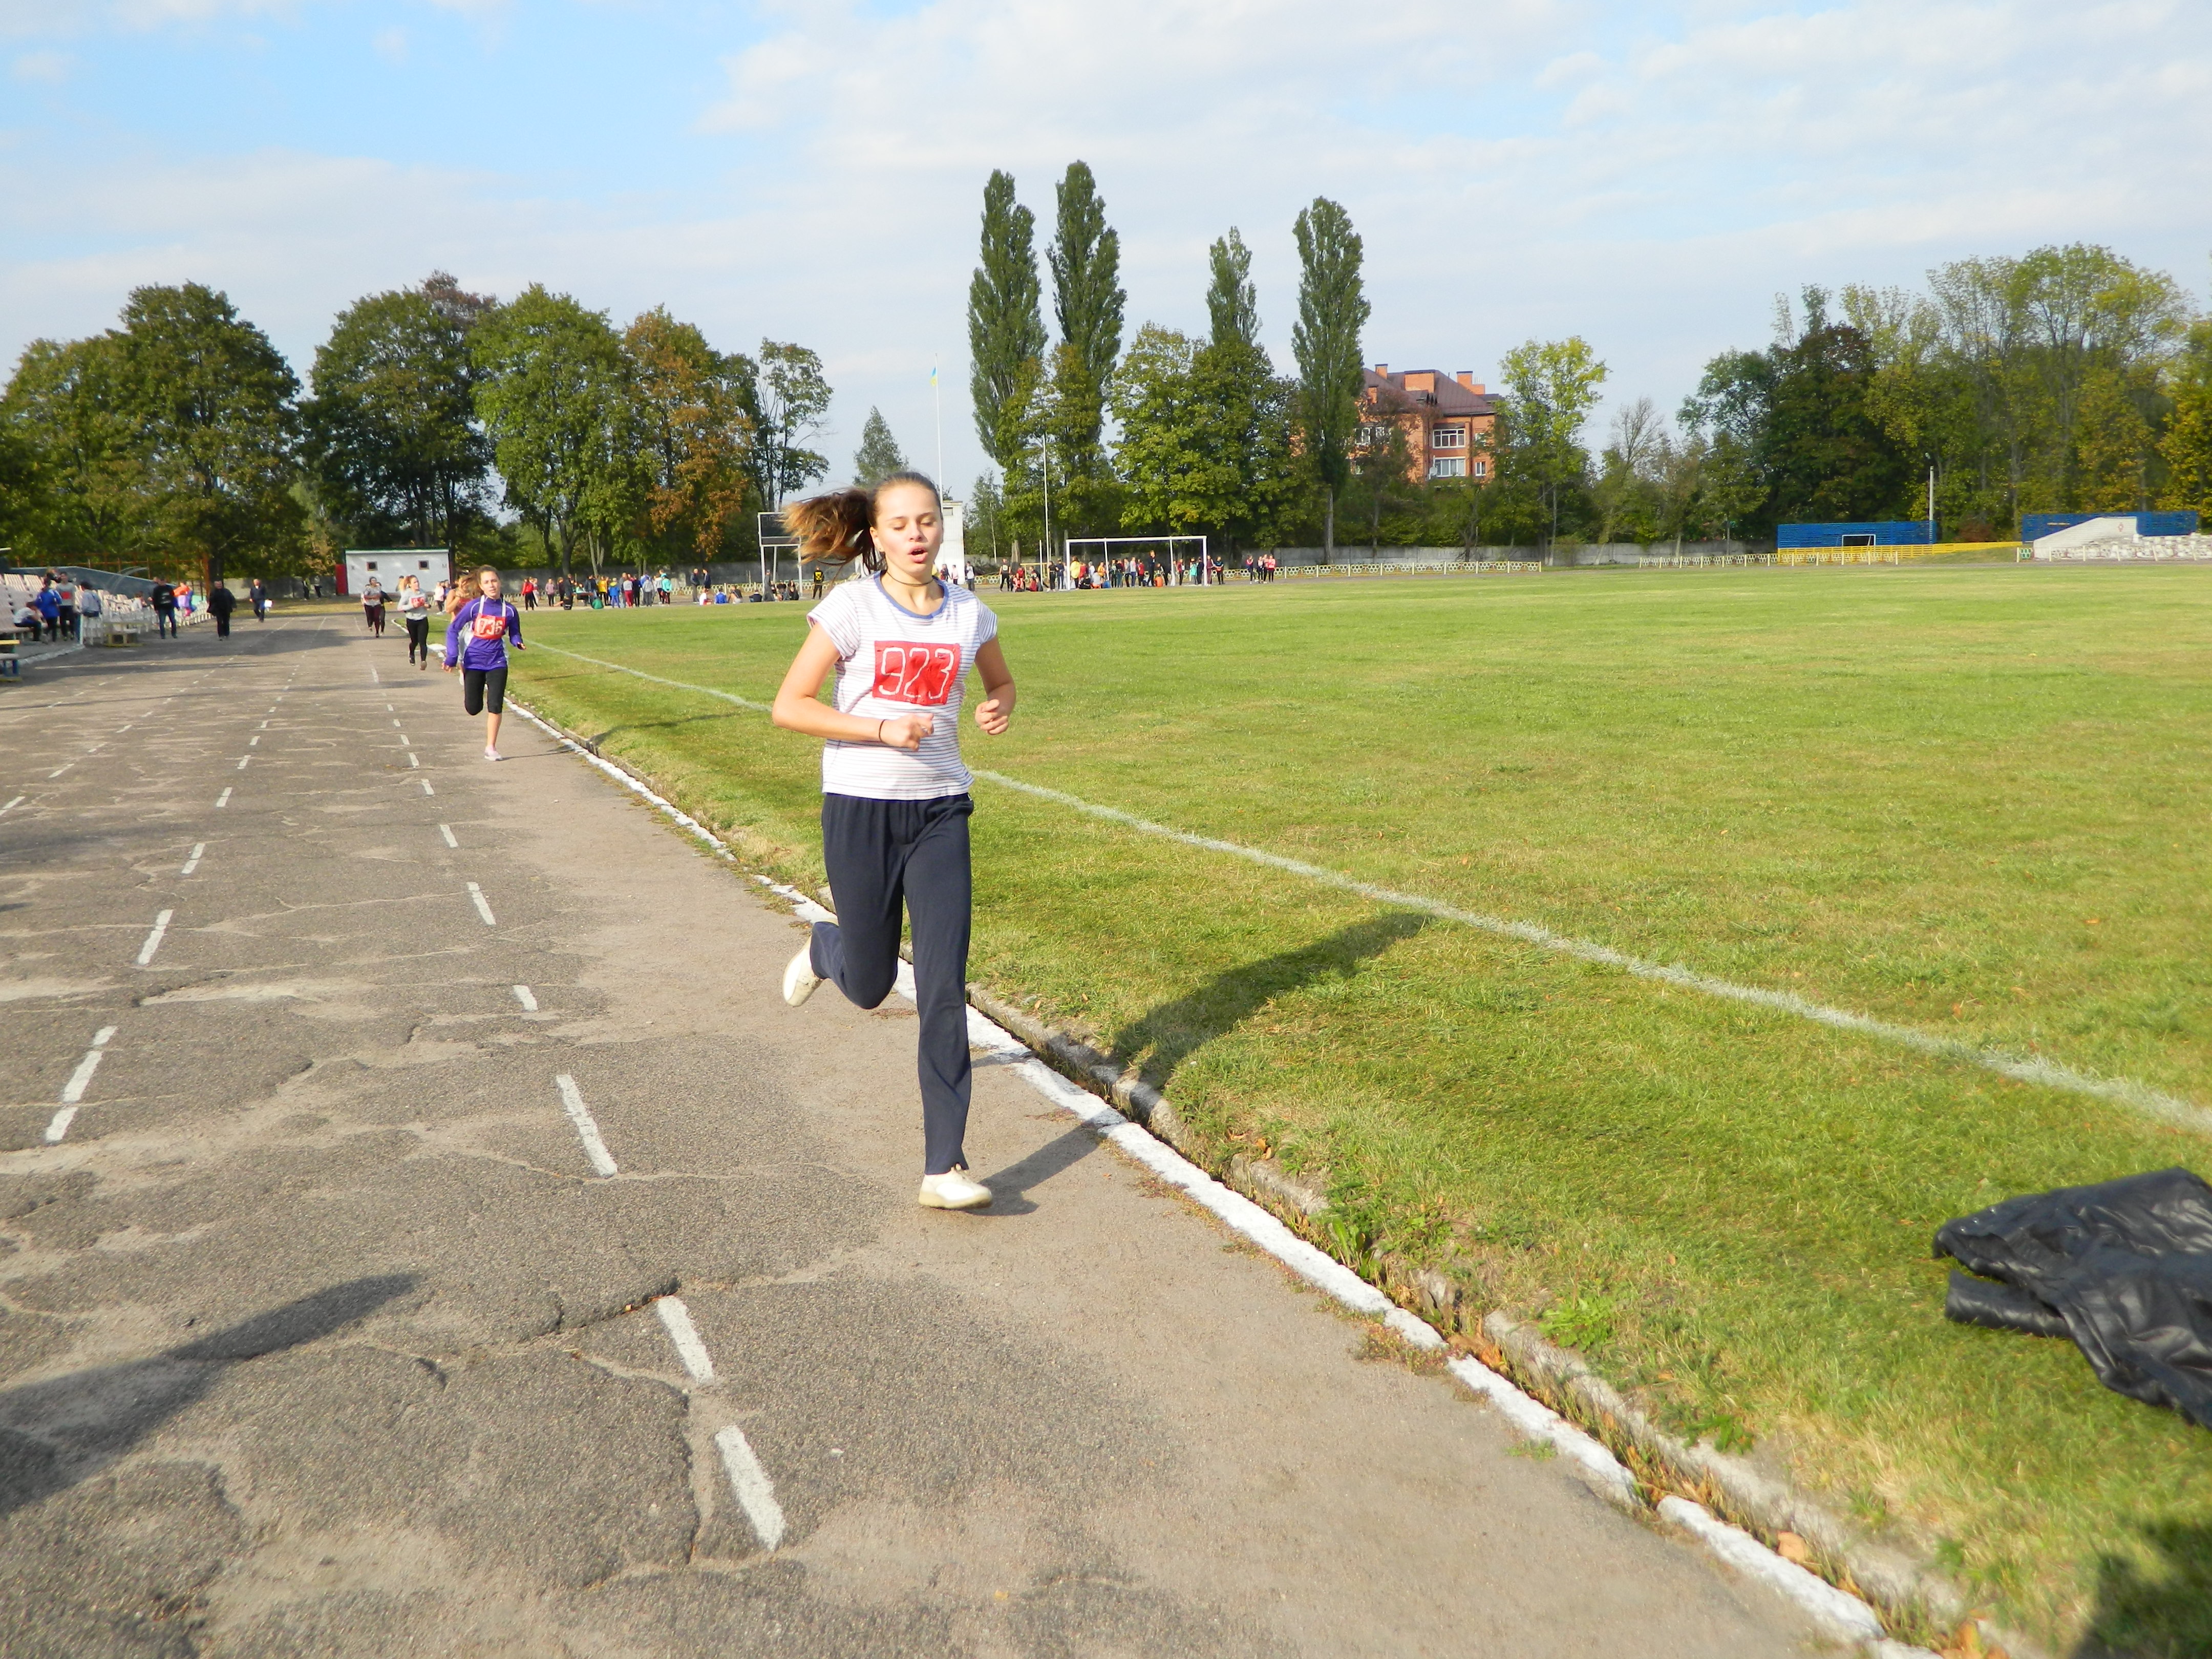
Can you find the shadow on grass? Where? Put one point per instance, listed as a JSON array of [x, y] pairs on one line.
[[1168, 1034], [2165, 1613], [599, 738], [56, 1433]]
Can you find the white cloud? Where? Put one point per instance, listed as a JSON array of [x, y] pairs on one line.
[[390, 45], [50, 67]]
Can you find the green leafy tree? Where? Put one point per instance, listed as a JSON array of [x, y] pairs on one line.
[[790, 404], [1085, 256], [76, 485], [1232, 303], [690, 407], [1333, 309], [1627, 493], [1205, 439], [878, 455], [1006, 330], [217, 431], [391, 444], [555, 396], [1550, 386], [2186, 448], [986, 533]]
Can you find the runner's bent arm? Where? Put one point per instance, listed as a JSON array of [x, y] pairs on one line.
[[998, 704], [796, 710]]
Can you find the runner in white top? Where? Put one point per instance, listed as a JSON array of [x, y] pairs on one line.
[[895, 803]]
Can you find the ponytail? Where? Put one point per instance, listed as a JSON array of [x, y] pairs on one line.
[[835, 525]]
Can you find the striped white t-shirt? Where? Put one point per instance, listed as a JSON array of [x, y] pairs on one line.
[[892, 662]]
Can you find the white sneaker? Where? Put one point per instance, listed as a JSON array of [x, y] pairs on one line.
[[799, 978], [954, 1190], [494, 754]]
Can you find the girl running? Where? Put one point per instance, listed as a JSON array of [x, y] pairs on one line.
[[894, 804], [476, 643], [415, 612]]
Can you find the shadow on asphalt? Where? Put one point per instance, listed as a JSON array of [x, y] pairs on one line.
[[1167, 1036], [1010, 1186], [56, 1433]]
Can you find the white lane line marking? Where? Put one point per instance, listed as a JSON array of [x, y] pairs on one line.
[[59, 770], [412, 761], [685, 1336], [750, 1481], [1844, 1616], [242, 759], [153, 940], [120, 730], [528, 998], [377, 677], [483, 906], [426, 789], [14, 804], [192, 863], [223, 799], [2044, 1073], [387, 706], [264, 726], [447, 830], [588, 1131], [59, 1125], [73, 1091], [95, 748]]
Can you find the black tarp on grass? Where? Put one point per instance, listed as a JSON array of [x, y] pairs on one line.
[[2123, 1267]]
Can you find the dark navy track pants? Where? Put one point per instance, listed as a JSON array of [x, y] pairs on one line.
[[881, 855]]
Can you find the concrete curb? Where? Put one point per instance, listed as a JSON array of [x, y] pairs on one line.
[[1546, 1392]]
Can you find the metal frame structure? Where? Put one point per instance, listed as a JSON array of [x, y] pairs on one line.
[[1205, 560], [773, 535]]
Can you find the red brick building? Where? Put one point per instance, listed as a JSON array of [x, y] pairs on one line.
[[1447, 419]]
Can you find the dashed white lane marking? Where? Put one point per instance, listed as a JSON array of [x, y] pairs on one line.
[[750, 1481], [192, 863], [483, 905], [14, 804], [447, 830], [242, 759], [59, 770], [80, 1079], [153, 940], [685, 1336], [387, 706], [253, 742], [426, 789], [377, 677], [588, 1131], [528, 998], [223, 799], [412, 761]]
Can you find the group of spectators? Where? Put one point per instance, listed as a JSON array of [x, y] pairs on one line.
[[1143, 570], [59, 607]]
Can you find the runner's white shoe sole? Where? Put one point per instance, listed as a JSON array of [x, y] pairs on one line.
[[954, 1190], [799, 978]]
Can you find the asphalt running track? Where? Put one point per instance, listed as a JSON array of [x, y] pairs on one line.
[[423, 1230]]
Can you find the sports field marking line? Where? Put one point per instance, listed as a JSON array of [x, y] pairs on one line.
[[242, 759], [483, 904], [253, 742], [447, 830], [587, 1129], [749, 1480], [192, 863], [527, 997], [14, 804], [426, 789], [59, 770], [153, 940], [223, 799], [412, 761], [2047, 1073], [685, 1336], [73, 1090]]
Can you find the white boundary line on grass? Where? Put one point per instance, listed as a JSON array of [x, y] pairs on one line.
[[1843, 1616], [2049, 1074]]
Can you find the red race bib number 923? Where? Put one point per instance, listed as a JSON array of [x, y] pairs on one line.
[[923, 675]]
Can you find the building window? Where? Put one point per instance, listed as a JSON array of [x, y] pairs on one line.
[[1482, 469], [1448, 466], [1448, 437]]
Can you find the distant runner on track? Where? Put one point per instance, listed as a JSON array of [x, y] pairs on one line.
[[894, 802], [476, 643]]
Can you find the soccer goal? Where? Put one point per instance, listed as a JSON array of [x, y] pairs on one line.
[[1205, 575]]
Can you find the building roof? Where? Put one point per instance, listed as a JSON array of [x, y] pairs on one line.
[[1432, 390]]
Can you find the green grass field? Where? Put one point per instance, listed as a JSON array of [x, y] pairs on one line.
[[1972, 801]]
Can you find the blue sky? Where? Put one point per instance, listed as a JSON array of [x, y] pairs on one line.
[[1648, 175]]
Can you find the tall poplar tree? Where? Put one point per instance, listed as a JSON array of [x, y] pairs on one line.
[[878, 455], [1085, 256], [1332, 308], [1005, 332], [1231, 302]]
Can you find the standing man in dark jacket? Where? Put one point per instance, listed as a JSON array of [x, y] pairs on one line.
[[220, 603], [259, 595], [164, 598]]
